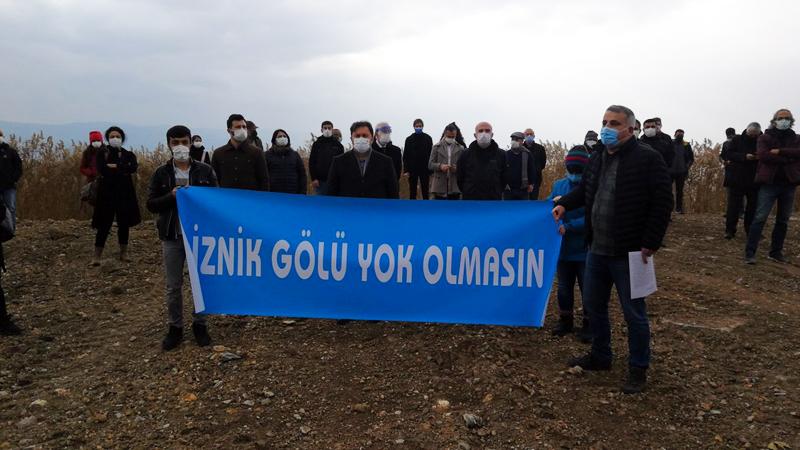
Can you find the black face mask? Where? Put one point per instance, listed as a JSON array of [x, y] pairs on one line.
[[679, 137]]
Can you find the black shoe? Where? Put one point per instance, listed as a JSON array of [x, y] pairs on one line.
[[564, 326], [637, 380], [585, 334], [730, 236], [343, 321], [201, 335], [9, 328], [588, 362], [173, 338], [779, 258]]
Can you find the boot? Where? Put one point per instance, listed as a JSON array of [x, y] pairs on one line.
[[564, 326], [201, 334], [585, 334], [123, 253], [173, 338], [98, 256], [637, 380], [8, 327], [589, 362]]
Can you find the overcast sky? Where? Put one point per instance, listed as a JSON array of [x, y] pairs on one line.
[[553, 66]]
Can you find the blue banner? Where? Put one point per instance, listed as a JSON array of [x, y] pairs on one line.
[[259, 253]]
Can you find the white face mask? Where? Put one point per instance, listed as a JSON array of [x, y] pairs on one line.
[[327, 132], [450, 141], [282, 141], [197, 144], [484, 139], [783, 124], [96, 144], [514, 145], [591, 143], [115, 142], [240, 134], [649, 132], [180, 153], [361, 144], [385, 138]]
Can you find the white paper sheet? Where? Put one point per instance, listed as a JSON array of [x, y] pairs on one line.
[[643, 276]]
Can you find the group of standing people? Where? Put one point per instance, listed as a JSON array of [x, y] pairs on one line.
[[762, 169]]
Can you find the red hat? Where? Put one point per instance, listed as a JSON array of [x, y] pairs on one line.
[[95, 136]]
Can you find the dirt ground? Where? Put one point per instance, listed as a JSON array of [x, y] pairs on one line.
[[89, 371]]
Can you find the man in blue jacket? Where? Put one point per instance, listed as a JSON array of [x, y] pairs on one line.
[[572, 260]]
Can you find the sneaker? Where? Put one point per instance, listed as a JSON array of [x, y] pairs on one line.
[[9, 328], [173, 338], [201, 335], [778, 258], [750, 260], [585, 333], [588, 362], [637, 380], [729, 236], [564, 326]]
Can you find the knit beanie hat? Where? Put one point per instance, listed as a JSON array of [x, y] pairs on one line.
[[95, 136], [577, 156]]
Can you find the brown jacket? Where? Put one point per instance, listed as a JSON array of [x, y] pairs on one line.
[[240, 167], [788, 160]]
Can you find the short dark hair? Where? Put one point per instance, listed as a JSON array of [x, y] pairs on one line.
[[178, 131], [730, 131], [679, 130], [419, 121], [650, 121], [657, 120], [361, 124], [639, 124], [117, 129], [275, 135], [326, 122], [233, 118], [197, 136]]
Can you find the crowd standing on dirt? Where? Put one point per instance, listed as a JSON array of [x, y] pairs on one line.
[[620, 190]]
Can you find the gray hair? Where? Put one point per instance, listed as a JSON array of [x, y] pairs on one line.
[[775, 116], [755, 125], [631, 118]]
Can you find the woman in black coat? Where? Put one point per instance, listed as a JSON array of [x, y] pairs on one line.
[[116, 195], [285, 166]]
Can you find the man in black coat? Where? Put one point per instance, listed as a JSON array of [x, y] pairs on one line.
[[323, 150], [383, 144], [626, 191], [520, 170], [362, 172], [10, 173], [416, 153], [180, 172], [239, 164], [740, 157], [681, 164], [8, 177], [481, 167], [539, 160], [658, 143]]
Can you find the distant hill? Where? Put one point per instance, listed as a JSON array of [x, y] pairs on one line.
[[137, 135]]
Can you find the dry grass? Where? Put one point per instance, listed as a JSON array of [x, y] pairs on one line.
[[51, 182]]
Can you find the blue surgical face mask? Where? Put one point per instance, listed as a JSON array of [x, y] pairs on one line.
[[574, 177], [418, 130], [609, 136], [530, 139], [783, 124]]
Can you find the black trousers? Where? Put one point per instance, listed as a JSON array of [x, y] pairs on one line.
[[518, 194], [736, 202], [424, 181], [447, 197], [680, 182], [3, 312], [123, 233]]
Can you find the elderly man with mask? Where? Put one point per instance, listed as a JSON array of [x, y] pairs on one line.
[[741, 162], [520, 170], [778, 174], [180, 172], [539, 160], [626, 191], [383, 144], [481, 167], [362, 171]]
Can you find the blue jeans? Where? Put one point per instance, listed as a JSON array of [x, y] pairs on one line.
[[601, 273], [767, 196], [568, 273], [322, 189], [10, 199]]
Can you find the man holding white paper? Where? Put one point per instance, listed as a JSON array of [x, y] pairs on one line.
[[627, 193]]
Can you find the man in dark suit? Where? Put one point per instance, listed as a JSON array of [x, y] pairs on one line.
[[363, 172]]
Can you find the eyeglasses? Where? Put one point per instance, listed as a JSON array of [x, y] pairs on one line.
[[384, 129]]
